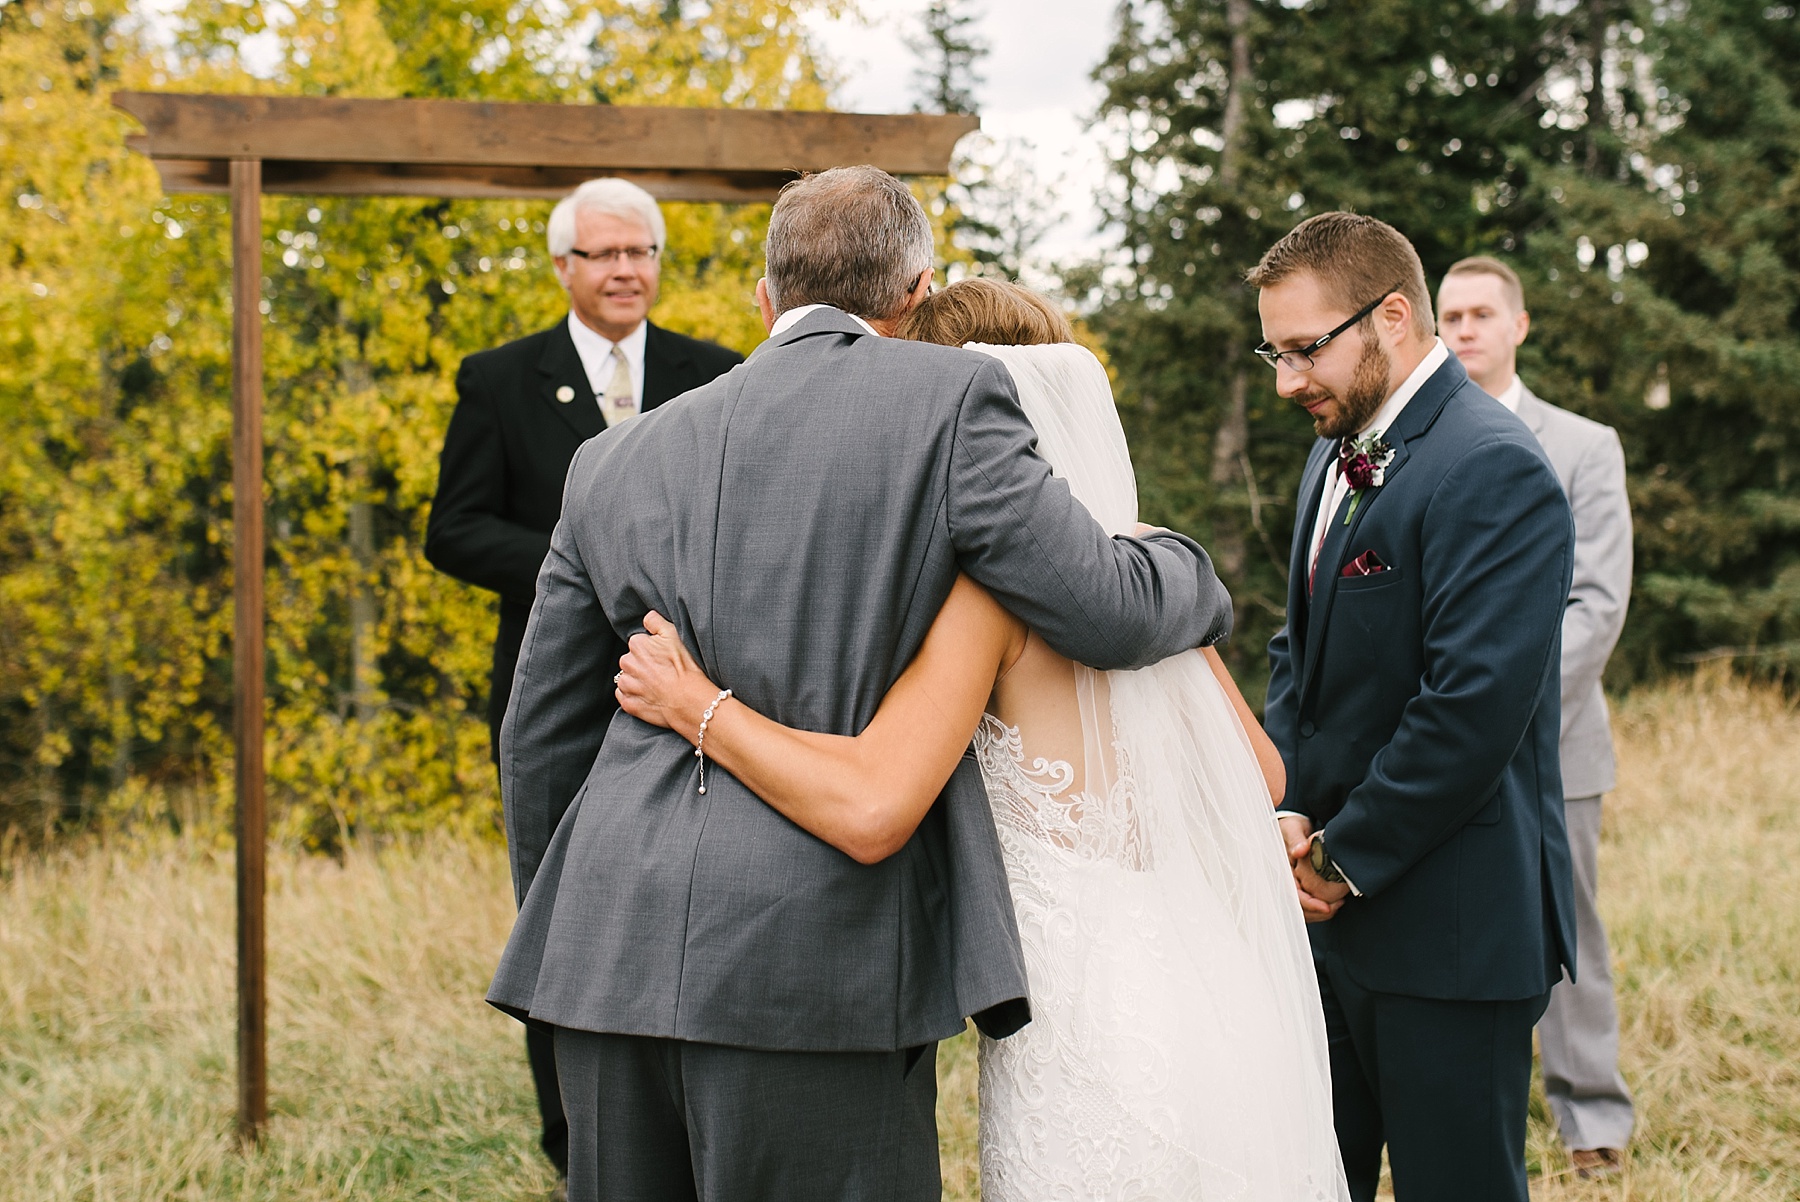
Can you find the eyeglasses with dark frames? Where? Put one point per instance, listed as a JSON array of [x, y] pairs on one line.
[[1301, 358], [635, 255]]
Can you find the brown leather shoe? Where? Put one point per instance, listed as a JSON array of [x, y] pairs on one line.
[[1596, 1164]]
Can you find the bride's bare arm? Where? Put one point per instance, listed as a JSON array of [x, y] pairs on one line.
[[864, 795], [1267, 758]]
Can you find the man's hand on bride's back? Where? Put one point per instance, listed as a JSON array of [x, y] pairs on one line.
[[660, 683]]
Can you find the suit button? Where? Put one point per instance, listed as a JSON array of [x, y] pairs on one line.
[[1307, 730]]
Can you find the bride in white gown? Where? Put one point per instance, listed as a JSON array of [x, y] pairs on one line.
[[1176, 1048]]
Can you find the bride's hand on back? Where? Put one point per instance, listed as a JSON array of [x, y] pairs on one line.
[[659, 682]]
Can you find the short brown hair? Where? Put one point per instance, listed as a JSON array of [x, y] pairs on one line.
[[1353, 257], [1488, 265], [978, 309], [853, 237]]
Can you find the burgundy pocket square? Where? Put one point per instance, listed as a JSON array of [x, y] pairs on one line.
[[1366, 564]]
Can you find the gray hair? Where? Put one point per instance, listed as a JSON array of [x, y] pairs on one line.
[[613, 197], [853, 237]]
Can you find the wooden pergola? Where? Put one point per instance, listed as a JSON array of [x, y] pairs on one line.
[[248, 145]]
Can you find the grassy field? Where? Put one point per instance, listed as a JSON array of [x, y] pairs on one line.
[[391, 1079]]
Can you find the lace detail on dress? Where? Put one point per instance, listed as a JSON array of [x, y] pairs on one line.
[[1139, 1078], [1041, 802]]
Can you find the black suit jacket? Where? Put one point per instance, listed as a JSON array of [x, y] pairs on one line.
[[1418, 708], [500, 477]]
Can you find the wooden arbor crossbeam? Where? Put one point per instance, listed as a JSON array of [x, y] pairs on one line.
[[333, 146], [328, 145]]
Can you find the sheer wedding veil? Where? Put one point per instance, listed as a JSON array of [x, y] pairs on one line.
[[1068, 399], [1246, 1004]]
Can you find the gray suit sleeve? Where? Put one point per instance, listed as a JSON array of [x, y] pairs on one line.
[[562, 701], [1602, 588], [1105, 602]]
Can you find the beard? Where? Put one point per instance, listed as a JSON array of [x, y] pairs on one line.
[[1360, 401]]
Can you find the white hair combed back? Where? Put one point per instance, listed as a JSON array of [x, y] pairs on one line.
[[613, 197]]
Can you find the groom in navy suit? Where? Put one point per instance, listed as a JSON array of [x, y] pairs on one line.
[[1414, 694]]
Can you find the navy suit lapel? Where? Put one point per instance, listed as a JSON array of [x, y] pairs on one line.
[[559, 368], [1412, 424], [1324, 584], [1312, 490]]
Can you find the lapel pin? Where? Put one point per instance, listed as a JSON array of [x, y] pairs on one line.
[[565, 394]]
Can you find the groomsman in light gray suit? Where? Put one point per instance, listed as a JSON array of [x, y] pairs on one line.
[[1482, 316], [739, 1010]]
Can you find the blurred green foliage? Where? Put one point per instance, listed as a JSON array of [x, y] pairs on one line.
[[1635, 160], [115, 496]]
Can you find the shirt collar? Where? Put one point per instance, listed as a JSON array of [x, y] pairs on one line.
[[1389, 413], [787, 320], [1512, 393], [595, 349]]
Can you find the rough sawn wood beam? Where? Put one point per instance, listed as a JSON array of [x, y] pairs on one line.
[[328, 145]]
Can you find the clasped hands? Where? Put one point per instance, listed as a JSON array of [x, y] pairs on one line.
[[1320, 900]]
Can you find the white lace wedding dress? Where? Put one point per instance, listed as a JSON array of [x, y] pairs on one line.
[[1176, 1049]]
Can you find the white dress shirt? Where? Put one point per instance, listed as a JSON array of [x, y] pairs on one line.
[[786, 321], [1336, 487], [1509, 396], [596, 357]]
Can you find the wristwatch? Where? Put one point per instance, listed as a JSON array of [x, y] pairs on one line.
[[1322, 862]]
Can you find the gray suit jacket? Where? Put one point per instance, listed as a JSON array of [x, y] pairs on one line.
[[801, 520], [1591, 466]]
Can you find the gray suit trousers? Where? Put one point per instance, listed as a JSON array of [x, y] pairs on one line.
[[1579, 1034], [667, 1120]]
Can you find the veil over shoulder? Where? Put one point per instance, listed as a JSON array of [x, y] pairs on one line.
[[1178, 1048]]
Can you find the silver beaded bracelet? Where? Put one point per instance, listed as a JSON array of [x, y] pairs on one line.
[[700, 742]]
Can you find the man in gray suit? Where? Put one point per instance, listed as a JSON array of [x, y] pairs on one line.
[[739, 1010], [1481, 314]]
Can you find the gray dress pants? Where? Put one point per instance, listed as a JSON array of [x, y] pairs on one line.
[[663, 1120], [1578, 1037]]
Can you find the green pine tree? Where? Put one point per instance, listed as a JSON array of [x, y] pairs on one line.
[[115, 494], [950, 53], [1634, 162]]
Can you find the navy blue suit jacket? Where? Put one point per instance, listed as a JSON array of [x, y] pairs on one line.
[[1417, 709]]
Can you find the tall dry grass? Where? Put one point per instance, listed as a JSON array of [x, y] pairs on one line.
[[391, 1079], [1700, 889]]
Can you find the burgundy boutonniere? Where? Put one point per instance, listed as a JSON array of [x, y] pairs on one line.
[[1364, 463]]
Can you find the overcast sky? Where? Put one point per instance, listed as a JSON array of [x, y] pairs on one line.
[[1036, 87]]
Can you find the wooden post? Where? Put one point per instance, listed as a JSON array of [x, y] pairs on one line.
[[247, 643]]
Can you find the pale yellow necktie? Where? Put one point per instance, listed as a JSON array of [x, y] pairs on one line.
[[618, 402]]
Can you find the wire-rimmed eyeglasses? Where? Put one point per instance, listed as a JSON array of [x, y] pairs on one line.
[[635, 255], [1301, 358]]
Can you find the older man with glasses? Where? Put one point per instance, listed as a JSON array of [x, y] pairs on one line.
[[523, 409]]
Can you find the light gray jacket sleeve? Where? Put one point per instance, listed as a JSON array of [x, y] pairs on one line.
[[562, 701], [1602, 587], [1102, 601]]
